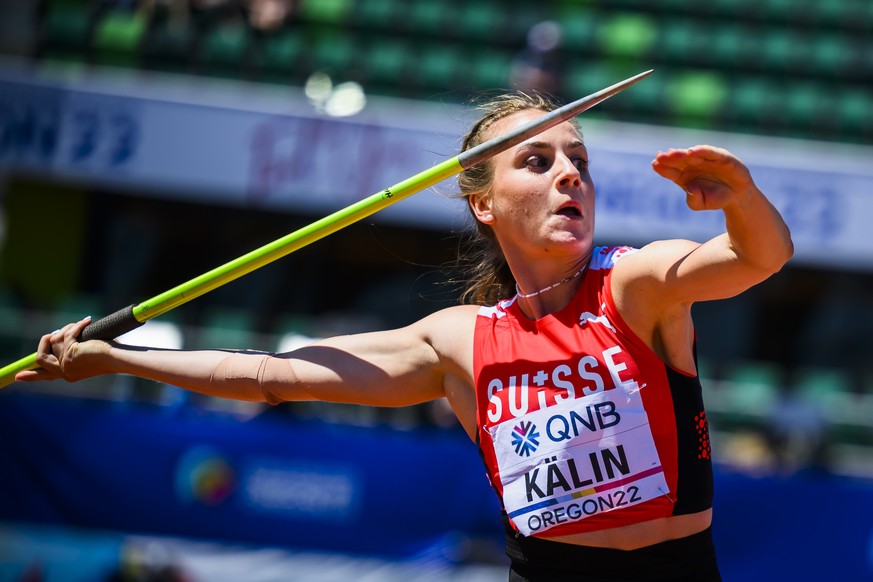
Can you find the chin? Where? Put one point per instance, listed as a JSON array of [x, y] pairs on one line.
[[571, 245]]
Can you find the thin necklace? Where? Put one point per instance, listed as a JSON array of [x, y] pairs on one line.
[[553, 285]]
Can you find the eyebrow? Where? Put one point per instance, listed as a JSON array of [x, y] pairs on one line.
[[541, 145]]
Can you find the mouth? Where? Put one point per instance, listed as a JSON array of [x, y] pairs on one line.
[[570, 212]]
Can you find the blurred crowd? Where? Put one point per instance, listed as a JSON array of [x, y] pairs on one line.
[[262, 15]]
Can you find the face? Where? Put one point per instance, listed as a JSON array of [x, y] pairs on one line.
[[542, 198]]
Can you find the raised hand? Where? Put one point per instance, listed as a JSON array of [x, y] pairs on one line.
[[711, 177]]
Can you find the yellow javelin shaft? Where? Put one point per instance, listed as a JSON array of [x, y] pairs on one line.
[[129, 318]]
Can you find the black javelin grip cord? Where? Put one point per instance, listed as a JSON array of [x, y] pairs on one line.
[[112, 325], [129, 318]]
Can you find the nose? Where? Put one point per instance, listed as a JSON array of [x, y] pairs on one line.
[[567, 173]]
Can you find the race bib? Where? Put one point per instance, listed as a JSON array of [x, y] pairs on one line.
[[578, 458]]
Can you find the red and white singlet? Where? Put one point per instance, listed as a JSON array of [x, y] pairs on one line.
[[581, 426]]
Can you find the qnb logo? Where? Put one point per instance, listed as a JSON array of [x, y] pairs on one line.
[[525, 439]]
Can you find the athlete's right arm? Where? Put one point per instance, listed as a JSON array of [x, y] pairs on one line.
[[386, 368]]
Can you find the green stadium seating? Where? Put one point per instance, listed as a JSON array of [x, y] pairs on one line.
[[334, 53], [751, 103], [326, 11], [695, 98], [224, 47], [831, 55], [678, 41], [589, 77], [437, 65], [426, 17], [728, 45], [524, 16], [280, 56], [854, 113], [804, 103], [479, 21], [747, 394], [779, 51], [675, 8], [645, 101], [378, 15], [831, 390], [746, 49], [387, 62], [777, 11], [732, 10], [823, 384], [488, 68], [168, 46], [66, 30], [117, 38], [764, 377], [836, 13], [627, 35], [579, 28]]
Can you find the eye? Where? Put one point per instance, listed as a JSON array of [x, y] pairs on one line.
[[537, 161], [581, 164]]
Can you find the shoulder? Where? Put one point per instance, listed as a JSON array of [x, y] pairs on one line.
[[654, 260], [457, 312], [497, 311], [644, 284], [606, 257], [447, 325], [450, 334]]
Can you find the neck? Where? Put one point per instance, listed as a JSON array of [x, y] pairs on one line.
[[552, 297], [552, 286]]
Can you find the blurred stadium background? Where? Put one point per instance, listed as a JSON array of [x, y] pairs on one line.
[[143, 142]]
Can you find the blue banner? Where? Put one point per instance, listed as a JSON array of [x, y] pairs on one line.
[[248, 146], [274, 480], [279, 481]]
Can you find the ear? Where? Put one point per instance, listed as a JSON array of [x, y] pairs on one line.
[[480, 204]]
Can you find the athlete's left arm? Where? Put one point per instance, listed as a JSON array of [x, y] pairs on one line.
[[756, 244]]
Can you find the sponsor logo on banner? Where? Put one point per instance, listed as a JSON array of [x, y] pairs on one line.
[[295, 490], [204, 476]]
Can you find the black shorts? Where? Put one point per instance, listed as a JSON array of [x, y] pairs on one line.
[[689, 559]]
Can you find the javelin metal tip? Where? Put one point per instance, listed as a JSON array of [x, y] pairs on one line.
[[495, 145], [627, 82]]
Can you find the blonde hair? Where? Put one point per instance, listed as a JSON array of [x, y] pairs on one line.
[[488, 278]]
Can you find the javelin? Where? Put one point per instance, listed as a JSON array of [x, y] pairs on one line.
[[129, 318]]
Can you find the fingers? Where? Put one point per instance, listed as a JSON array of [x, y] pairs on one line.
[[45, 355], [75, 329], [698, 168], [695, 198], [672, 163], [664, 168], [51, 350], [697, 157], [34, 376], [711, 154], [699, 152]]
